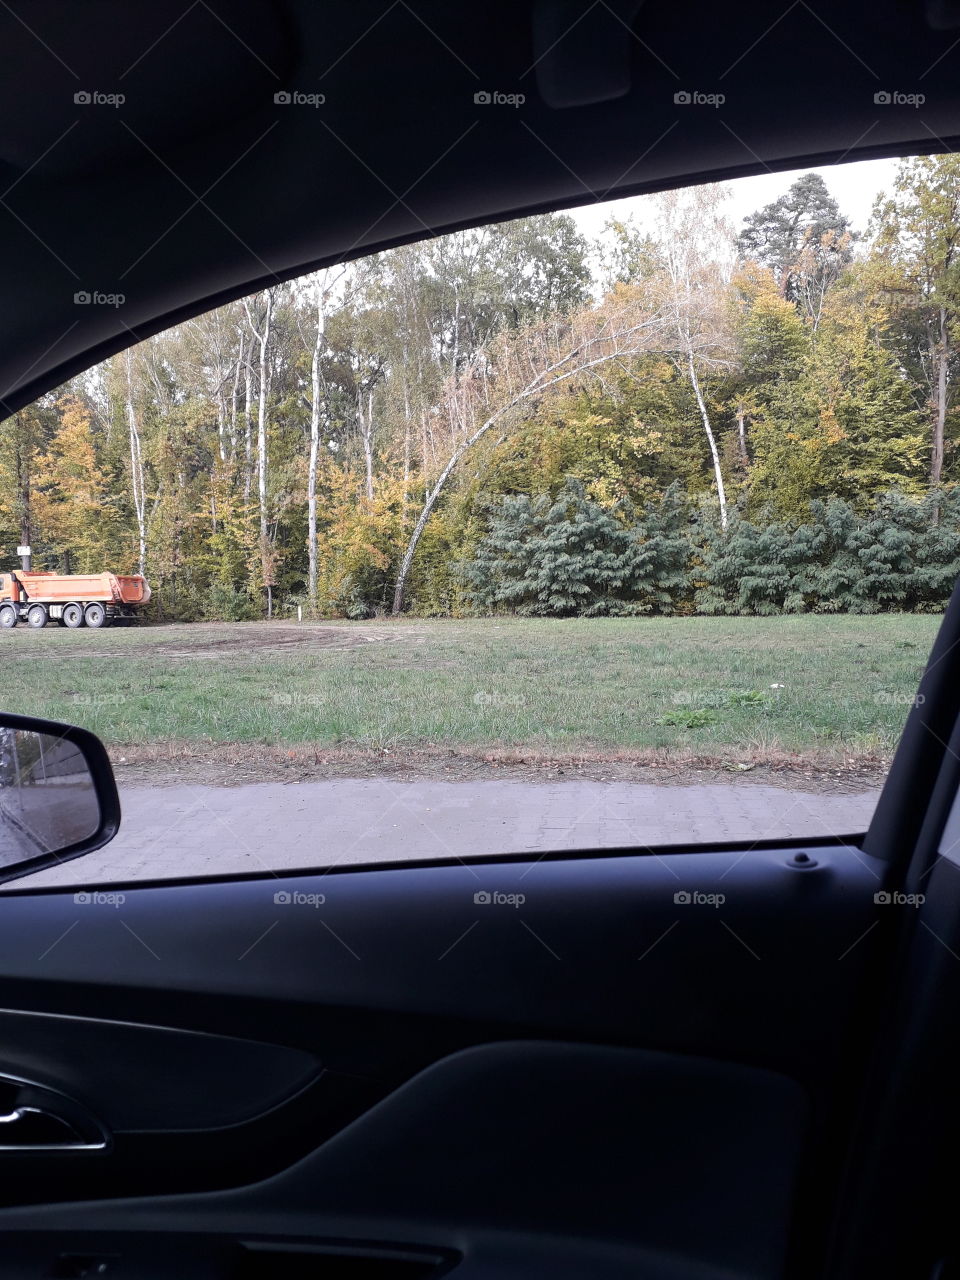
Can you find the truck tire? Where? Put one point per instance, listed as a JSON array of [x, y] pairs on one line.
[[37, 616], [72, 615], [8, 616], [95, 615]]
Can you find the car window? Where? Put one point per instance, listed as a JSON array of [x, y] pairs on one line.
[[625, 526]]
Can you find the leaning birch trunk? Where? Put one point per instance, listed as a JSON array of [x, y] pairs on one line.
[[612, 344], [711, 439], [136, 468]]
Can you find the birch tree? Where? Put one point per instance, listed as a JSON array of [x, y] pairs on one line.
[[695, 247], [919, 235], [260, 331], [523, 366], [136, 465]]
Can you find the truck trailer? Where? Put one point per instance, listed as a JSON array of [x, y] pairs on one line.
[[71, 599]]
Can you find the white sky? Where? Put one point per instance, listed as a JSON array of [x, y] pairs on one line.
[[854, 186]]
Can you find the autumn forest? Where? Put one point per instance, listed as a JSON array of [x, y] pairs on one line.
[[683, 416]]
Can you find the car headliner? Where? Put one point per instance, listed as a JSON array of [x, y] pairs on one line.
[[192, 151]]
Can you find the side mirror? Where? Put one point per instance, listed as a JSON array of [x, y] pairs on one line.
[[58, 797]]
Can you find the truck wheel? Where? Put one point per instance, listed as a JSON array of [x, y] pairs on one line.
[[72, 615], [36, 616], [95, 615], [8, 616]]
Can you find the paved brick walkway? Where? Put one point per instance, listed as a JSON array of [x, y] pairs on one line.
[[183, 830]]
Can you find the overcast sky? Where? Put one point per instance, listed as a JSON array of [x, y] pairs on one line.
[[853, 185]]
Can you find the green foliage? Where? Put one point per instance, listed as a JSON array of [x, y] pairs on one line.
[[902, 555], [828, 382], [692, 718], [570, 556], [229, 604], [806, 218]]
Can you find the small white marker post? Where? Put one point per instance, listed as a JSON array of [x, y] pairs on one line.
[[299, 612]]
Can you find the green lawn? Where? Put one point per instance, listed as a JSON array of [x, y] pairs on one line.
[[825, 685]]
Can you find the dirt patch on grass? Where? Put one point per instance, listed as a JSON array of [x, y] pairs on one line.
[[214, 639], [233, 764]]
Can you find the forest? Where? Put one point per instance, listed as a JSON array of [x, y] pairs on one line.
[[680, 417]]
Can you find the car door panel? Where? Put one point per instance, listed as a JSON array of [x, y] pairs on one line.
[[589, 951], [335, 992], [144, 1078], [678, 1159]]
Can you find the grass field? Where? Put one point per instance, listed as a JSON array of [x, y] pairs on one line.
[[822, 686]]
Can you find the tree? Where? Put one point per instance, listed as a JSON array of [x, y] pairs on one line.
[[521, 368], [260, 332], [71, 495], [22, 438], [918, 238], [556, 558], [846, 425], [136, 466], [803, 238], [691, 234], [325, 284]]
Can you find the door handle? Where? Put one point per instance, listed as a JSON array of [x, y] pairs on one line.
[[42, 1119]]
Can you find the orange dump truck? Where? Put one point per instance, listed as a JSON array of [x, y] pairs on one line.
[[72, 599]]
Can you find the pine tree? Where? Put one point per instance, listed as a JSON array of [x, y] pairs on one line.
[[72, 505], [569, 556]]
